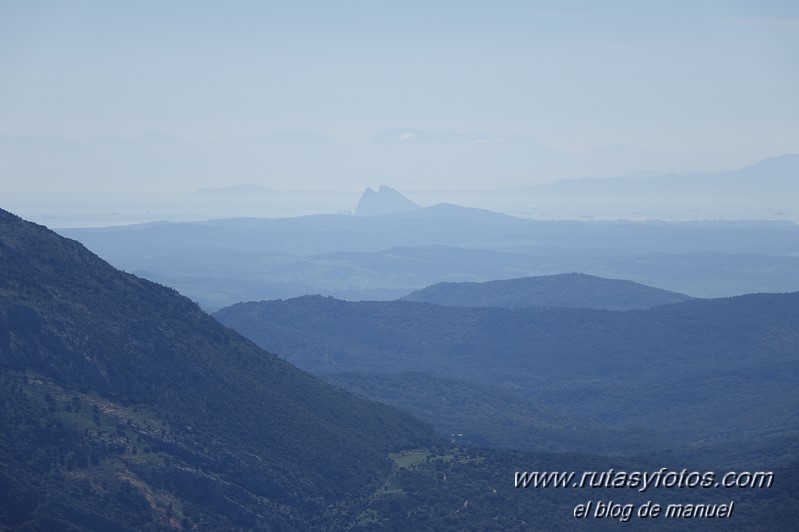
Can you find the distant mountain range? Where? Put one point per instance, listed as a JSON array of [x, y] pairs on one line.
[[221, 262], [758, 191], [573, 290], [111, 174], [767, 178]]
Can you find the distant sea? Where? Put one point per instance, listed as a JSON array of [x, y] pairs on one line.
[[113, 211]]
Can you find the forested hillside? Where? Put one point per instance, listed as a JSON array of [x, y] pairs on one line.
[[689, 375], [572, 290]]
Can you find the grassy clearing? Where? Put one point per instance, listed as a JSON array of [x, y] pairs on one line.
[[409, 459]]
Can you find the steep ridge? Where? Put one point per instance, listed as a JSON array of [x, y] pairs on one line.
[[98, 365]]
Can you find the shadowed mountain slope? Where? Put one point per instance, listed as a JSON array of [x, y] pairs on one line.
[[124, 405]]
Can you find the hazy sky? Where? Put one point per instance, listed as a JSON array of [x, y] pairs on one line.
[[715, 76], [591, 89]]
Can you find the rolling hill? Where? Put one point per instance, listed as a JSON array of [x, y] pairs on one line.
[[691, 373], [573, 290]]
